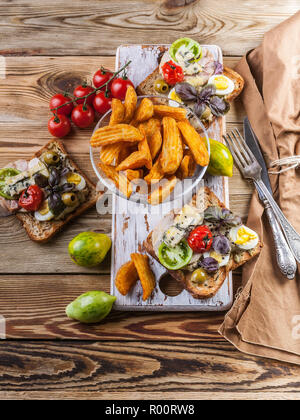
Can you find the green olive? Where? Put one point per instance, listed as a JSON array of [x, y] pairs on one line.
[[69, 199], [199, 276], [206, 114], [161, 86], [51, 158]]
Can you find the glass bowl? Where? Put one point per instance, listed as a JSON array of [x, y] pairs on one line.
[[180, 191]]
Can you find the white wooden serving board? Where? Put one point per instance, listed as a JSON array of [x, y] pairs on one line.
[[131, 222]]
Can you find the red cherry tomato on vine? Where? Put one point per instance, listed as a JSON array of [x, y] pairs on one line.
[[59, 126], [200, 239], [102, 102], [58, 100], [31, 198], [83, 116], [102, 76], [119, 87], [83, 90]]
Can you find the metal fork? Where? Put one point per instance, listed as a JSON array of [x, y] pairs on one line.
[[251, 169]]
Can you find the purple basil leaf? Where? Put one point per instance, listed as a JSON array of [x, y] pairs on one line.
[[54, 177], [218, 67], [186, 91], [206, 93], [221, 244], [199, 108], [56, 204], [64, 172], [218, 106]]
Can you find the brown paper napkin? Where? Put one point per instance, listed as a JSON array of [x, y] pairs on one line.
[[265, 318]]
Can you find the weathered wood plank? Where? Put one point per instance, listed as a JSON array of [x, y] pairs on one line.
[[135, 370], [34, 308], [99, 27]]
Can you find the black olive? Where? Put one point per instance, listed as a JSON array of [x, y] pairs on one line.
[[41, 180]]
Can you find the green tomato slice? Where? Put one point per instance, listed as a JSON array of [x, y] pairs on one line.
[[189, 43], [175, 258], [6, 173]]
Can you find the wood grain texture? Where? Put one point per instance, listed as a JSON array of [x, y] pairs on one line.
[[24, 98], [127, 370], [99, 27], [34, 308]]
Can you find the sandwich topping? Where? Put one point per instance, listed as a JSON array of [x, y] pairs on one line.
[[194, 78], [48, 187], [201, 243]]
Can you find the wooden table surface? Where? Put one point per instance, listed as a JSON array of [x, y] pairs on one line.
[[51, 47]]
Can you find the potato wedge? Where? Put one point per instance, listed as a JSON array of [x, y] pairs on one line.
[[134, 161], [117, 112], [161, 111], [192, 163], [130, 104], [195, 143], [183, 170], [133, 175], [109, 155], [119, 179], [145, 274], [164, 189], [172, 149], [155, 174], [126, 278], [112, 134], [143, 112], [144, 147]]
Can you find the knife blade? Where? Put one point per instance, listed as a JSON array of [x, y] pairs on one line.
[[253, 144], [285, 259]]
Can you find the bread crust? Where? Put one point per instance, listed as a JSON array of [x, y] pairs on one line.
[[204, 292], [42, 232]]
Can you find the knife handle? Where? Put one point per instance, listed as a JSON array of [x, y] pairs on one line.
[[285, 259]]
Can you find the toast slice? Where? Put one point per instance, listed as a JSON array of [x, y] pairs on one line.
[[43, 231], [147, 86], [216, 280]]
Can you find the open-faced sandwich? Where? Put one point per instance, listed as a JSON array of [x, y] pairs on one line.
[[46, 192], [188, 73], [200, 244]]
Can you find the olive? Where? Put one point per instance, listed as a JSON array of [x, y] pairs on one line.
[[206, 114], [69, 199], [51, 158], [199, 276], [161, 86]]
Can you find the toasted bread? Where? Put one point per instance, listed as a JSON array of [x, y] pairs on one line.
[[43, 231], [215, 281], [147, 86]]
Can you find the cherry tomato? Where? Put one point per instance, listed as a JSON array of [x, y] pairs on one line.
[[102, 102], [83, 116], [31, 198], [119, 87], [60, 99], [172, 73], [200, 239], [102, 76], [59, 126], [83, 90]]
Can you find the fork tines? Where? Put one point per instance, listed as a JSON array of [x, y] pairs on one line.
[[239, 149]]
